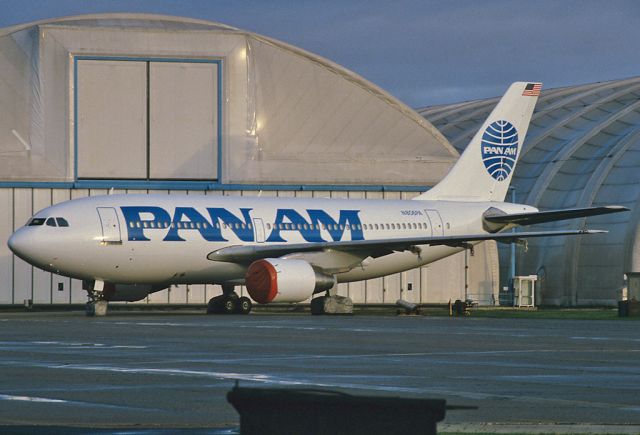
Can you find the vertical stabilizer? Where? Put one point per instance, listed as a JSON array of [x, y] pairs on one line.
[[485, 168]]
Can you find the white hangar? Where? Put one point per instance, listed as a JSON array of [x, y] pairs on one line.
[[145, 103]]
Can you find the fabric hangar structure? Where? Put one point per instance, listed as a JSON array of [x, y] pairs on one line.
[[582, 149], [136, 103]]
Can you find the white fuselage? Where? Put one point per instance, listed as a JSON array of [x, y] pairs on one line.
[[165, 239]]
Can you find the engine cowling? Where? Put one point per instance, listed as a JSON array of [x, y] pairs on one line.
[[283, 280]]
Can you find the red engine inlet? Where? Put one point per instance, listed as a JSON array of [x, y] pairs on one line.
[[262, 281], [284, 280]]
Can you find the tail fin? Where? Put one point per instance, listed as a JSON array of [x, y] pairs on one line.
[[485, 168]]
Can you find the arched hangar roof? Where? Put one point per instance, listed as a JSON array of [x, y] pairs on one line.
[[582, 149], [290, 116]]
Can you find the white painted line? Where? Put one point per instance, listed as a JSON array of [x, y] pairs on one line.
[[30, 399]]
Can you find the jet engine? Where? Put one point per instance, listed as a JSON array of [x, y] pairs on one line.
[[282, 280]]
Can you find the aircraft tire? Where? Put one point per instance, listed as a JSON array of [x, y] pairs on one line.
[[229, 306], [244, 305], [216, 305]]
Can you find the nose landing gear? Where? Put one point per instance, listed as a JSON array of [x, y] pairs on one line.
[[96, 304]]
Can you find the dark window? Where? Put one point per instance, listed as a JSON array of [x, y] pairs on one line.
[[62, 222], [51, 222], [36, 222]]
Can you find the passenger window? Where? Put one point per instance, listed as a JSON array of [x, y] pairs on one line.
[[51, 222], [62, 222]]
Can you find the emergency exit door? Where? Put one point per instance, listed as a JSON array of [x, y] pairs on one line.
[[437, 229]]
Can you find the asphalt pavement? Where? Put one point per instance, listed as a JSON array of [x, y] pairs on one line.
[[171, 371]]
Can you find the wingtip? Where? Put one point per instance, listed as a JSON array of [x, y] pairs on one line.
[[594, 231], [617, 208]]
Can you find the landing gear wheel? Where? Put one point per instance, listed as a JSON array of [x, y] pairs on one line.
[[244, 305], [229, 306], [216, 305], [96, 308], [229, 303]]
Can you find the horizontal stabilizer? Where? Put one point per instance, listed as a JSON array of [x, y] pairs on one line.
[[540, 217]]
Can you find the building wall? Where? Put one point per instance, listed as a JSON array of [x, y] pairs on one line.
[[435, 283]]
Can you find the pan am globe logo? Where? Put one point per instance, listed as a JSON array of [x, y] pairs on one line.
[[500, 149]]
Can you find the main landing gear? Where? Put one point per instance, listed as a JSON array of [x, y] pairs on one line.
[[229, 303]]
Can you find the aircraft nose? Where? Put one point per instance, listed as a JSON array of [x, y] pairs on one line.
[[20, 243]]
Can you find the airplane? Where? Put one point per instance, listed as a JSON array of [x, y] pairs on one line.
[[124, 247]]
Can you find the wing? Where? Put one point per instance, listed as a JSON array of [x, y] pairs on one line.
[[372, 248], [550, 216]]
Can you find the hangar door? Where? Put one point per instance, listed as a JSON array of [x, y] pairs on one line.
[[151, 120]]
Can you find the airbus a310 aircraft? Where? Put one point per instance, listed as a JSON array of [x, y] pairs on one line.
[[124, 247]]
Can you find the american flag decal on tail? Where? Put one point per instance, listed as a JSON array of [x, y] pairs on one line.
[[532, 89]]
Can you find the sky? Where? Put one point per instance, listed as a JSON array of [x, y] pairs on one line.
[[423, 52]]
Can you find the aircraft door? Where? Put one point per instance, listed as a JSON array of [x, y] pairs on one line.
[[110, 225], [258, 228], [437, 229]]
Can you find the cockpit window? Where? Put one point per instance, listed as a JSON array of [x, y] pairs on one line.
[[51, 222], [62, 222], [35, 222]]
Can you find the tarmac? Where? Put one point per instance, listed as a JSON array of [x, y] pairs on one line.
[[169, 372]]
